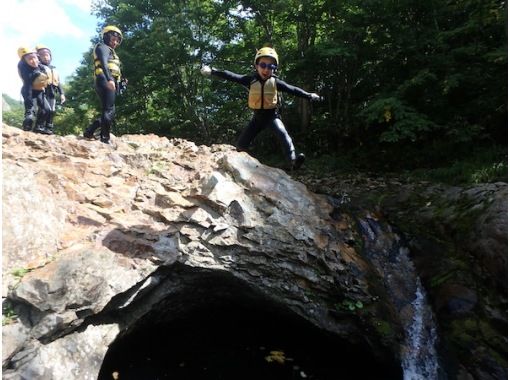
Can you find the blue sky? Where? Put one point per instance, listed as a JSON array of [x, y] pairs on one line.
[[65, 26]]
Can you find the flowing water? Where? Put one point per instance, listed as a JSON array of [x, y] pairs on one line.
[[385, 250], [419, 360]]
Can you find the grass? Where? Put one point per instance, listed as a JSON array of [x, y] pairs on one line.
[[485, 165], [476, 170]]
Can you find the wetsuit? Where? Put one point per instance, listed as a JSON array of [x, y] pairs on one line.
[[54, 88], [107, 67], [264, 117], [28, 75]]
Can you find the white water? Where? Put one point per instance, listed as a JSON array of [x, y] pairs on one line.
[[419, 357], [386, 252]]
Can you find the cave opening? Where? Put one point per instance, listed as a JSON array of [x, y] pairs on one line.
[[215, 327]]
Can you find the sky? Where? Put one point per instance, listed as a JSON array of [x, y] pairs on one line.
[[65, 26]]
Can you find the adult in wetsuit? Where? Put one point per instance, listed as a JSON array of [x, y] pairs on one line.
[[35, 81], [107, 76], [264, 101]]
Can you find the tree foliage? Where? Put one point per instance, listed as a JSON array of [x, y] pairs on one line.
[[422, 74]]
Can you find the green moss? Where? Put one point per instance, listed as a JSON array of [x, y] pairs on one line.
[[384, 328], [493, 338], [470, 334], [20, 272], [8, 314], [441, 278], [349, 305], [460, 335]]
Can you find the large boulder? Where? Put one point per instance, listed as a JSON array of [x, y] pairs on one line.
[[100, 240]]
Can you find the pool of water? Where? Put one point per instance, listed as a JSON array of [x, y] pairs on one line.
[[231, 340]]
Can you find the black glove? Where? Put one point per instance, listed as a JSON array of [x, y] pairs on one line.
[[122, 86]]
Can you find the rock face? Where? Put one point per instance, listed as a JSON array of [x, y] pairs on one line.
[[99, 240], [458, 240]]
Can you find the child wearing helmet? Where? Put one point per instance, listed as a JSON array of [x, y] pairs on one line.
[[263, 99], [35, 81], [54, 86], [107, 77]]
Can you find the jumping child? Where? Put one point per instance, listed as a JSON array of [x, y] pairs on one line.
[[263, 99]]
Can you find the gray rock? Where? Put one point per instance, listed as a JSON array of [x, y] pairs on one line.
[[123, 231]]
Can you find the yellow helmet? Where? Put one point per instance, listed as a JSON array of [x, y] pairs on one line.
[[111, 29], [266, 52], [23, 50], [41, 47]]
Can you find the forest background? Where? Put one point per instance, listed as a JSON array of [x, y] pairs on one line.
[[414, 87]]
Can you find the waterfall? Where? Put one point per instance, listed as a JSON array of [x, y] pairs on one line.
[[385, 250], [419, 357]]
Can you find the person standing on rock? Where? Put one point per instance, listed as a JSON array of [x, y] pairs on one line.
[[264, 100], [54, 86], [107, 77], [35, 81]]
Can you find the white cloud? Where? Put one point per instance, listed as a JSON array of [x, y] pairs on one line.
[[33, 19], [29, 22], [83, 5]]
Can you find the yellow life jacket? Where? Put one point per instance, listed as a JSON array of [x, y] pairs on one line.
[[40, 82], [53, 77], [113, 64], [263, 95]]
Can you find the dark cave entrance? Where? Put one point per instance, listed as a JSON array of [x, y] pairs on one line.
[[216, 327]]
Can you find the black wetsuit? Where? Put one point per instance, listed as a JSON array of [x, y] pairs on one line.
[[28, 74], [263, 118], [51, 93], [104, 54]]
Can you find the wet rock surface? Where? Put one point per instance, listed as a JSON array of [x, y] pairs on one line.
[[458, 241]]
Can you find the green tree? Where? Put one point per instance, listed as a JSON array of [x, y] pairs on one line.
[[408, 79]]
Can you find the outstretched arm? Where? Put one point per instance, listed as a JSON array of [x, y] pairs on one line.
[[294, 90], [227, 75]]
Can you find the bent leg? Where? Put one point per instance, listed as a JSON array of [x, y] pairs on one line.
[[285, 139], [248, 134], [89, 131]]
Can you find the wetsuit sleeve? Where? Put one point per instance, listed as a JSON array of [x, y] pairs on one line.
[[60, 89], [233, 77], [27, 73], [102, 54], [21, 70], [285, 87], [26, 89]]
